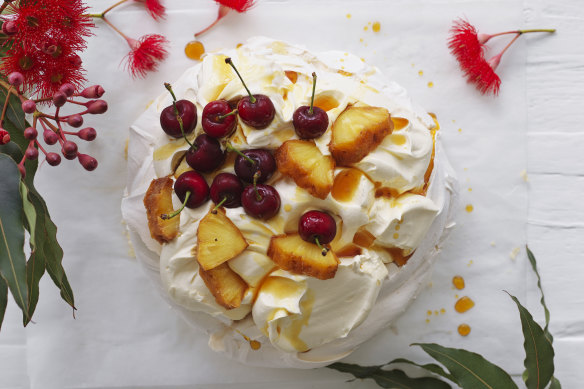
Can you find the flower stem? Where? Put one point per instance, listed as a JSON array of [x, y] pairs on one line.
[[5, 105], [550, 30], [112, 7], [221, 13], [166, 217], [106, 20]]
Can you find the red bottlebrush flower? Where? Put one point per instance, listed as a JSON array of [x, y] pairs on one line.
[[464, 43], [146, 53], [154, 8], [224, 7], [238, 5]]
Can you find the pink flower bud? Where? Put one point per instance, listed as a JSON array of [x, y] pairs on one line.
[[69, 150], [30, 133], [97, 107], [53, 159], [68, 89], [4, 137], [28, 106], [93, 92], [50, 137], [31, 153], [87, 134], [59, 99], [87, 161], [10, 28], [75, 120], [15, 79]]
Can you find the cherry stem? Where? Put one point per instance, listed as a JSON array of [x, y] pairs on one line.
[[256, 177], [230, 147], [164, 216], [251, 98], [221, 117], [214, 210], [323, 249], [177, 115], [310, 111]]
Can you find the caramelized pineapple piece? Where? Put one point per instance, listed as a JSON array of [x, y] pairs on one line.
[[357, 131], [158, 201], [290, 252], [303, 161], [227, 286], [219, 240]]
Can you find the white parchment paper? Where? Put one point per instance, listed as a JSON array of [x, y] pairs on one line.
[[125, 335]]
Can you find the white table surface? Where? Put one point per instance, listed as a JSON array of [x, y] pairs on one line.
[[555, 221]]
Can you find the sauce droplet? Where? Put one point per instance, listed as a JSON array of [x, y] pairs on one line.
[[348, 16], [469, 208], [420, 73], [430, 84], [463, 304], [287, 207], [326, 102], [346, 184], [458, 282], [194, 50], [254, 344], [399, 123], [292, 76], [376, 26], [464, 329]]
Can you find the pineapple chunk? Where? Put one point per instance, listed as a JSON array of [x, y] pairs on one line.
[[357, 131], [225, 285], [303, 161], [290, 252], [219, 240], [158, 200]]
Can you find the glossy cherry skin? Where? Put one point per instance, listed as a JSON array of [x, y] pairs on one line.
[[195, 183], [188, 113], [258, 115], [226, 185], [264, 162], [207, 154], [212, 124], [310, 125], [317, 224], [264, 208]]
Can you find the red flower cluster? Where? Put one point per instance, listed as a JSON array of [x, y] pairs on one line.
[[44, 39]]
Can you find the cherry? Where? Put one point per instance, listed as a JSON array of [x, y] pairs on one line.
[[226, 190], [192, 189], [218, 119], [248, 162], [260, 201], [257, 110], [205, 154], [180, 118], [317, 227], [309, 121]]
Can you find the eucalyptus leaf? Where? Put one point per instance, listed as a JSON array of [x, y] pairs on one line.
[[539, 353], [471, 370], [533, 263], [35, 266], [394, 379], [3, 299], [12, 260], [555, 384], [431, 367]]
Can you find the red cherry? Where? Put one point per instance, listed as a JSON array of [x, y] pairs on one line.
[[191, 189], [317, 227], [218, 119], [226, 190], [206, 154], [264, 162], [261, 201], [309, 121], [256, 111], [187, 112]]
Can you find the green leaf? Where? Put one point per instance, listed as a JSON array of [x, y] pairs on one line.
[[12, 260], [471, 370], [539, 353], [431, 367], [555, 384], [35, 266], [389, 378], [545, 308], [3, 299]]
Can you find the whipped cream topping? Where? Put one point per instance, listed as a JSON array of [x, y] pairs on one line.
[[301, 321]]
